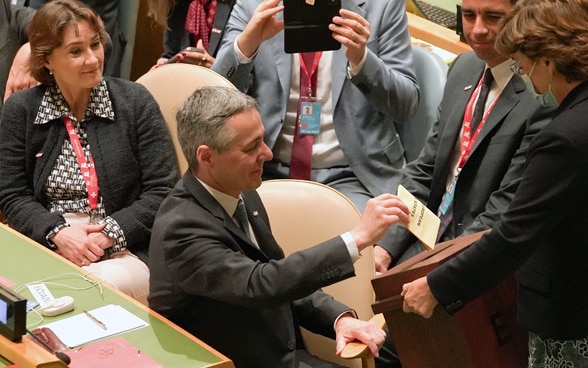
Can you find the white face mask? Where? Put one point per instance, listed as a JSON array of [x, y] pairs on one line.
[[546, 99]]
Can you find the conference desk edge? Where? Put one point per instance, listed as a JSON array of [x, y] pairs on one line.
[[436, 34], [38, 357]]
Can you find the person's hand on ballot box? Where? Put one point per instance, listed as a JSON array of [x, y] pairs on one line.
[[418, 298]]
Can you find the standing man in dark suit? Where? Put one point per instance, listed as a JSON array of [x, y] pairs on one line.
[[484, 178], [230, 284]]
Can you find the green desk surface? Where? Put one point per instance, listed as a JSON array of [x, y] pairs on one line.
[[23, 261]]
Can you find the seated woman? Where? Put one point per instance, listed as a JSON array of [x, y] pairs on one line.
[[85, 160]]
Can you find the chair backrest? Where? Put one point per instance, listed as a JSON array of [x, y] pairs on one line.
[[171, 85], [431, 73], [304, 213]]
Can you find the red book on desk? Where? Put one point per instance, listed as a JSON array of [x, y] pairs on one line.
[[113, 353], [116, 353]]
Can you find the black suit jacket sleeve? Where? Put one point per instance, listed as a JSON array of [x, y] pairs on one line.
[[501, 199]]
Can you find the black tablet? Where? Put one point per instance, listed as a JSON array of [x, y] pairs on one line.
[[306, 25]]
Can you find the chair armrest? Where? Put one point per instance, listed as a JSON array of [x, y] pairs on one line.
[[356, 349]]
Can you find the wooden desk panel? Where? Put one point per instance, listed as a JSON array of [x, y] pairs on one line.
[[24, 261], [435, 34]]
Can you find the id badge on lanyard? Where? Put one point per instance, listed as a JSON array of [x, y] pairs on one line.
[[447, 197], [309, 114]]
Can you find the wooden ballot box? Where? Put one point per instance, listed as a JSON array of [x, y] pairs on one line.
[[483, 334]]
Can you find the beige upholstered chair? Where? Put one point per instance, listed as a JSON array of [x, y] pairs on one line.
[[304, 213], [171, 85], [431, 73]]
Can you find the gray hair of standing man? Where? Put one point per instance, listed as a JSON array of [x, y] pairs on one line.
[[203, 116]]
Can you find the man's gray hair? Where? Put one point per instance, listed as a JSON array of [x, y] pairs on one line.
[[202, 119]]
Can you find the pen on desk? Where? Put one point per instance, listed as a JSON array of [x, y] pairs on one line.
[[95, 320]]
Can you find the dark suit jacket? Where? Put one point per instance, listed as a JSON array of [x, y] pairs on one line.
[[492, 173], [175, 37], [544, 232], [210, 279], [14, 23]]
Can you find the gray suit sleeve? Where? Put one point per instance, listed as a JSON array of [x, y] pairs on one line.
[[227, 63], [387, 79]]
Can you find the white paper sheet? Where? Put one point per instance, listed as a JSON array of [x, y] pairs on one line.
[[81, 329]]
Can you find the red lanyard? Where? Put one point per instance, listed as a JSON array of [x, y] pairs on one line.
[[313, 70], [87, 167], [467, 140]]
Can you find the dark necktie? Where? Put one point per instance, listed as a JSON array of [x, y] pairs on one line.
[[482, 97], [301, 159], [241, 216]]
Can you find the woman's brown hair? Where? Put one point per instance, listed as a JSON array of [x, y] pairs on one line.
[[554, 29]]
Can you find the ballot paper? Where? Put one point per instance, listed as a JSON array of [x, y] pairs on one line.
[[423, 223], [81, 329]]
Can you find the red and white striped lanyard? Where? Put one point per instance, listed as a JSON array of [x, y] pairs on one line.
[[467, 140], [86, 166]]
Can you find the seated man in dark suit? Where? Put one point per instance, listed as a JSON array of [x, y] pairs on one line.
[[230, 284]]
